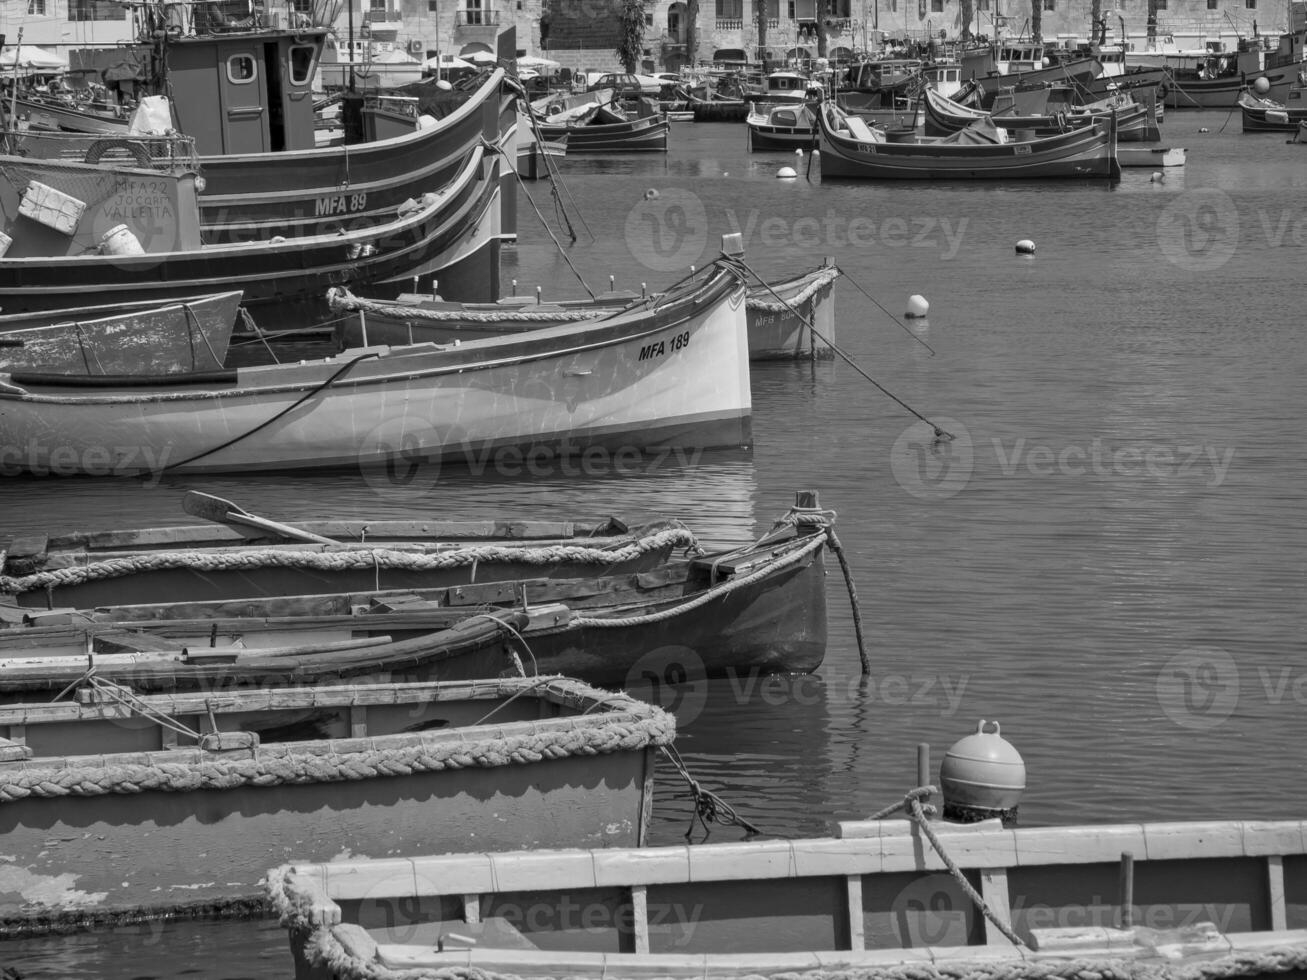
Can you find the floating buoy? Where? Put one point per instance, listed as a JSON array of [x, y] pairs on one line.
[[1204, 130], [917, 306], [786, 172], [1157, 177], [651, 195], [1262, 85], [982, 776], [798, 152], [1025, 247]]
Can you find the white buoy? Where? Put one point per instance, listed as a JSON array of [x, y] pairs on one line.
[[651, 195], [1157, 177], [1025, 247], [917, 307], [786, 172], [798, 152], [1204, 129], [1262, 85]]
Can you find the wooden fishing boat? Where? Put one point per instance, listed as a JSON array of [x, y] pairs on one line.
[[63, 115], [75, 262], [879, 900], [609, 129], [672, 376], [781, 317], [745, 611], [1268, 116], [782, 127], [1217, 80], [243, 555], [123, 338], [1135, 122], [195, 795], [850, 149]]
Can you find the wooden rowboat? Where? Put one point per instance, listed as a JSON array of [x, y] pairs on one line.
[[1135, 122], [877, 901], [779, 316], [606, 129], [134, 338], [673, 376], [850, 149], [195, 795], [786, 126], [1268, 116], [743, 612]]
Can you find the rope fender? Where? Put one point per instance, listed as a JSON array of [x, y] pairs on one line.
[[286, 765], [820, 280], [343, 560]]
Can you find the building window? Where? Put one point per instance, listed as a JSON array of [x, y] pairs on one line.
[[240, 69], [730, 9], [893, 6], [1211, 4], [94, 10], [982, 4], [433, 6], [36, 7], [789, 7], [1050, 4], [1160, 5], [1250, 4]]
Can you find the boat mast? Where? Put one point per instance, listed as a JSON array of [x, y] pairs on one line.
[[350, 49]]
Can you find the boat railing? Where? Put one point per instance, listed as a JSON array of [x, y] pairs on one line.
[[171, 152]]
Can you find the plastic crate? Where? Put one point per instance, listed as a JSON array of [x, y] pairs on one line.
[[52, 208]]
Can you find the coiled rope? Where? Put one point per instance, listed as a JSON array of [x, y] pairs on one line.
[[342, 560]]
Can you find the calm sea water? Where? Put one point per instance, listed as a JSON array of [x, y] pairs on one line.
[[1108, 558]]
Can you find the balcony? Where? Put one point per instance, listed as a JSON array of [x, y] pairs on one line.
[[476, 18], [729, 24]]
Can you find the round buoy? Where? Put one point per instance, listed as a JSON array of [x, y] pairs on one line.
[[1157, 177], [786, 172], [982, 776], [917, 307], [444, 85], [1204, 129], [798, 152], [651, 195], [1262, 85], [1025, 247]]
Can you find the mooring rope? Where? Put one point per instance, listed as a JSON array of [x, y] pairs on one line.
[[708, 806], [901, 325]]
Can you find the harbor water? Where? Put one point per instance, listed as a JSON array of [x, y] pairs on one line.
[[1107, 557]]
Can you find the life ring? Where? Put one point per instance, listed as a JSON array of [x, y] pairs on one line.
[[140, 153]]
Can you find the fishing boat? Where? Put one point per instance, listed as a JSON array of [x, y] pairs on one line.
[[195, 795], [122, 338], [1023, 63], [786, 320], [103, 233], [849, 148], [879, 899], [244, 556], [608, 128], [1135, 122], [69, 116], [1268, 116], [887, 84], [674, 375], [744, 611], [1218, 79], [782, 126]]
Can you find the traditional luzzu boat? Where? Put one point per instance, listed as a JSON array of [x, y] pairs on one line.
[[968, 897], [1135, 122], [673, 376], [70, 117], [1268, 116], [123, 338], [83, 233], [196, 795], [607, 128], [849, 148], [1216, 81], [782, 126], [786, 320], [247, 556], [756, 609]]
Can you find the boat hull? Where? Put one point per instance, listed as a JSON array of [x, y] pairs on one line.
[[192, 335], [192, 830], [643, 135], [1135, 123], [1149, 156], [1182, 92], [1088, 152], [1260, 117], [47, 115]]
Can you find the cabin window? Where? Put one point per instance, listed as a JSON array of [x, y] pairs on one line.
[[784, 117], [240, 69], [95, 10], [301, 63], [1250, 4]]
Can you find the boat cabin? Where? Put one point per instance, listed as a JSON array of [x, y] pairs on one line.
[[788, 86], [244, 91], [1020, 57], [871, 76], [944, 79]]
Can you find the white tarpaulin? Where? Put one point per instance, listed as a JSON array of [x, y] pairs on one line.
[[447, 61], [538, 64], [32, 58]]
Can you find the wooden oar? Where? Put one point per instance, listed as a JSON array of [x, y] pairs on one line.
[[225, 512]]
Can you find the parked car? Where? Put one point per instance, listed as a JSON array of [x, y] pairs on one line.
[[624, 84]]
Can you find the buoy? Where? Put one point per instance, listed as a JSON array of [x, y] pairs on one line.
[[1157, 177], [917, 306], [982, 777], [651, 195], [1025, 247], [1204, 129], [444, 85], [786, 172], [1262, 85], [798, 152], [119, 240]]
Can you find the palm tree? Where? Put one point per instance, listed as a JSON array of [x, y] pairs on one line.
[[967, 14], [1152, 19], [760, 11], [1037, 19], [630, 34], [691, 27]]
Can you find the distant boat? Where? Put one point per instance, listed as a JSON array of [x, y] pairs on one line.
[[981, 152], [778, 316], [607, 128], [140, 338], [1151, 156], [195, 793], [59, 114], [1134, 122], [782, 126], [1262, 115], [674, 375]]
